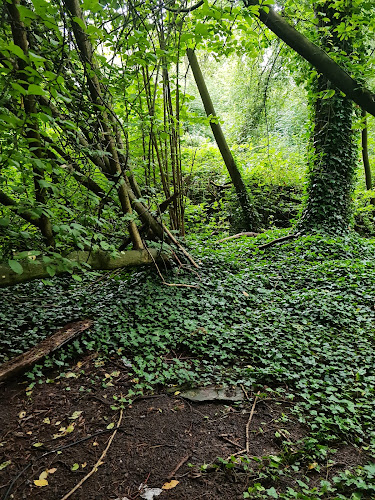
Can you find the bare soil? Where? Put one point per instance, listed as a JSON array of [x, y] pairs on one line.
[[161, 437]]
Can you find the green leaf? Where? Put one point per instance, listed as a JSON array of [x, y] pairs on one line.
[[16, 50], [75, 466], [36, 90], [15, 266], [4, 221], [80, 23]]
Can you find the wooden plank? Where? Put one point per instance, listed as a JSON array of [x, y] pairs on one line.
[[21, 363]]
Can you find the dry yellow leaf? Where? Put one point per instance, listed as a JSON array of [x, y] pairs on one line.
[[43, 475], [177, 393], [22, 414], [246, 294], [95, 443], [83, 465], [46, 420], [79, 364], [313, 465], [170, 485], [29, 432], [52, 471], [40, 482]]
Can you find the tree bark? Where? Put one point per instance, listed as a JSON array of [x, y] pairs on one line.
[[26, 360], [316, 56], [249, 215], [365, 158]]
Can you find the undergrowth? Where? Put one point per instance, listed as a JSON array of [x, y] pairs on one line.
[[296, 319]]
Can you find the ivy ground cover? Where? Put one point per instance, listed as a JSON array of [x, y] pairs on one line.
[[294, 321]]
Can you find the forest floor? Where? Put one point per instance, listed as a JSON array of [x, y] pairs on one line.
[[291, 328], [63, 426]]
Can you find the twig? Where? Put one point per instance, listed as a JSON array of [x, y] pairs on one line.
[[279, 240], [248, 424], [178, 466], [230, 441], [187, 255], [241, 452], [98, 463], [162, 277]]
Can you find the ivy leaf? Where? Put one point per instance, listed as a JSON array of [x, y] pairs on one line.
[[272, 492]]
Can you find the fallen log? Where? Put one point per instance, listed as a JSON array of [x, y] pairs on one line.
[[239, 235], [279, 240], [37, 269], [26, 360]]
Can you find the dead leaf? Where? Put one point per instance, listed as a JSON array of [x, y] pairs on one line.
[[46, 420], [37, 445], [52, 471], [75, 415], [43, 475], [313, 465], [95, 443], [40, 482], [177, 393], [246, 294], [170, 485], [83, 465], [22, 414]]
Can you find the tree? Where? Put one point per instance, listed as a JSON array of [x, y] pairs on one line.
[[249, 215], [334, 150]]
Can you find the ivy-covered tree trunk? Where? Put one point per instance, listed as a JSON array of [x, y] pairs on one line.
[[334, 151]]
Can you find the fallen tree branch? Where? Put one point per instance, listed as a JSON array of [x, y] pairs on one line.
[[279, 240], [238, 235], [36, 269], [47, 346], [98, 463]]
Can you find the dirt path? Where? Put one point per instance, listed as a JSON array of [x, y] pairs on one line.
[[161, 438]]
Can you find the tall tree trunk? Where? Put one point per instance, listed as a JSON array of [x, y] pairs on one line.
[[365, 158], [333, 164], [31, 124], [249, 215]]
